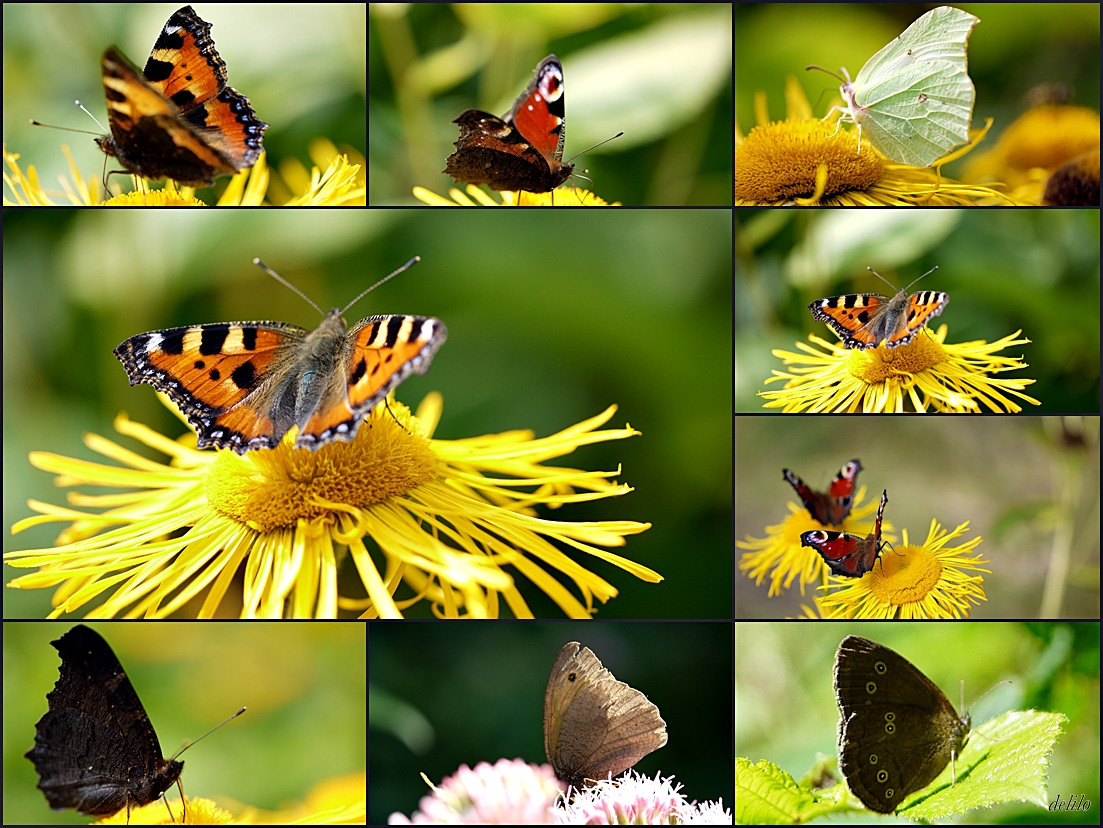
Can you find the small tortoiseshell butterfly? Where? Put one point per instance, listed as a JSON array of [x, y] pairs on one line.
[[243, 385], [177, 118], [522, 150], [847, 554], [863, 320], [833, 506]]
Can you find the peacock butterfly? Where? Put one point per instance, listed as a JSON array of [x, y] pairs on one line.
[[522, 150], [94, 748], [830, 507], [847, 554]]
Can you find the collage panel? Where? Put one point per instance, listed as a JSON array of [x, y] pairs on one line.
[[461, 704], [227, 103], [930, 720], [579, 458], [982, 311], [100, 731], [544, 104], [984, 518], [917, 104]]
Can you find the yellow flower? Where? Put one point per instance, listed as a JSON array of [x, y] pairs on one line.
[[781, 555], [805, 161], [926, 372], [931, 580], [342, 184], [451, 519], [473, 196]]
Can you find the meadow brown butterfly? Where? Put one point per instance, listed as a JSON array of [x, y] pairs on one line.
[[594, 725]]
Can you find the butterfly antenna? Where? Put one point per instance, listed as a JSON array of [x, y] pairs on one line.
[[102, 131], [287, 284], [828, 71], [406, 266], [208, 733], [598, 144], [891, 285]]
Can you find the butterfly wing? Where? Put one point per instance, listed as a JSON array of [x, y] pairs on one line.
[[95, 748], [490, 151], [523, 149], [847, 554], [864, 320], [941, 34], [594, 725], [844, 554], [220, 377], [841, 492], [377, 355], [177, 118], [539, 113], [914, 97]]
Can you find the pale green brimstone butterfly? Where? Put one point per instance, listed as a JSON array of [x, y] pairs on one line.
[[594, 725], [914, 97]]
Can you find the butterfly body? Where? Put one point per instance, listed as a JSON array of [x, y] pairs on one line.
[[244, 385], [864, 320], [522, 150], [833, 506], [177, 118], [847, 554]]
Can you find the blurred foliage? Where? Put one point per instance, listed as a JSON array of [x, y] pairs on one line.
[[301, 65], [780, 668], [481, 688], [1014, 48], [304, 685], [1005, 270], [551, 318], [661, 73]]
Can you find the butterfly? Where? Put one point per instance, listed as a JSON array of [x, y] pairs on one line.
[[847, 554], [864, 320], [177, 118], [833, 506], [244, 385], [522, 150]]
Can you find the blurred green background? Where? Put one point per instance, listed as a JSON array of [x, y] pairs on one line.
[[304, 685], [1005, 270], [551, 318], [785, 704], [1026, 485], [661, 73], [1015, 47], [476, 692], [301, 65]]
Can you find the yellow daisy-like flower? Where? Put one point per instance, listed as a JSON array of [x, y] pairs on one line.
[[781, 556], [931, 580], [341, 184], [337, 801], [473, 196], [805, 161], [450, 517], [247, 188], [1034, 146], [926, 372]]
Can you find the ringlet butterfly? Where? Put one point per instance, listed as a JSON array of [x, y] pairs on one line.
[[897, 730], [594, 725], [95, 749]]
